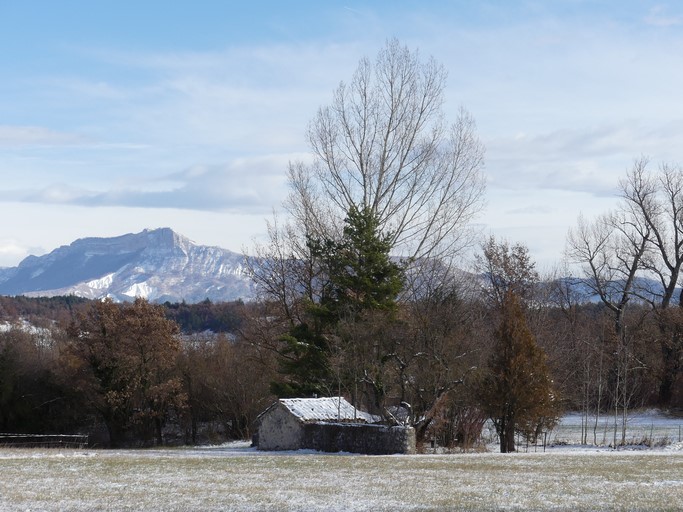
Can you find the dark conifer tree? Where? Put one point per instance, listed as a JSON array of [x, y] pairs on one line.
[[517, 392], [359, 278]]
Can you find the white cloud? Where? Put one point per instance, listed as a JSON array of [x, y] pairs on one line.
[[10, 247], [57, 193]]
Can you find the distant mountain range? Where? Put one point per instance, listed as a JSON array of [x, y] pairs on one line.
[[159, 265]]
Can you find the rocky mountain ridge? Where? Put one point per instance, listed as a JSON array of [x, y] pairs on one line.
[[159, 265]]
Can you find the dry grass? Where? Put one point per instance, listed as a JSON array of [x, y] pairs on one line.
[[240, 479]]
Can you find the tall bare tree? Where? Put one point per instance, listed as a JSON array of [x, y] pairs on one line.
[[383, 146], [611, 251], [655, 199], [623, 253]]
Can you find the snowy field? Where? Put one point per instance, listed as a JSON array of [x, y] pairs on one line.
[[237, 477], [649, 427]]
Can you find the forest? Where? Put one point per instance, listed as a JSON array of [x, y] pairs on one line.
[[377, 287], [139, 374]]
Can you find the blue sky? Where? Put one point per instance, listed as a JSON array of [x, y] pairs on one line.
[[120, 116]]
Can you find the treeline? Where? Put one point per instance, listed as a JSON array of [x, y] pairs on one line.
[[457, 349], [220, 317], [125, 374], [41, 311], [205, 316]]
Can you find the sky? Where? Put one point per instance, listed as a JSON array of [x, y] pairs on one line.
[[121, 116]]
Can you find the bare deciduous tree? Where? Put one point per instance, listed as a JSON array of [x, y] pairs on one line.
[[611, 251], [507, 268], [655, 200], [382, 145], [620, 253]]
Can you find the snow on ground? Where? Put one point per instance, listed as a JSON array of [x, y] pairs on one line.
[[643, 427], [235, 476]]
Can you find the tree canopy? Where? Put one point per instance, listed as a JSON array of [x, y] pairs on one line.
[[122, 357]]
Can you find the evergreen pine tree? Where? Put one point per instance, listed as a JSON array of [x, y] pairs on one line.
[[359, 278], [360, 273]]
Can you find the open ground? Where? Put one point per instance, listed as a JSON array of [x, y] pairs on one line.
[[236, 477], [567, 476]]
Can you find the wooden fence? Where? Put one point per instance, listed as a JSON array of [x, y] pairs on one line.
[[43, 441]]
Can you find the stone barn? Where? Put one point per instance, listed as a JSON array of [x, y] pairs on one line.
[[329, 424]]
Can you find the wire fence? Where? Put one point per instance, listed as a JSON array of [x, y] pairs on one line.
[[574, 431], [610, 433]]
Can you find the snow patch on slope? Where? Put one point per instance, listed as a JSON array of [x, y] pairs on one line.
[[142, 290], [158, 265], [102, 283]]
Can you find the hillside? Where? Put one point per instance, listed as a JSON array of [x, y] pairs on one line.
[[159, 265]]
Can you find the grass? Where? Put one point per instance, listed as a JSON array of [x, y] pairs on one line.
[[241, 479]]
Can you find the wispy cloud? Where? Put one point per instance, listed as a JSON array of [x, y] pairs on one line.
[[10, 248], [659, 16], [12, 136], [588, 160], [249, 185]]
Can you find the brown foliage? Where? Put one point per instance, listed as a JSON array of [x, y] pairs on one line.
[[225, 384], [121, 358], [517, 393]]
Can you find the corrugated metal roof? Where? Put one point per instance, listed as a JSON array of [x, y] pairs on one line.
[[333, 408]]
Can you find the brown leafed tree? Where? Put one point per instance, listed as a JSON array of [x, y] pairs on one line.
[[517, 392], [122, 361]]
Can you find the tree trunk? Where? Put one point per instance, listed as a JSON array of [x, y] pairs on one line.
[[157, 430], [671, 360], [116, 433], [507, 435]]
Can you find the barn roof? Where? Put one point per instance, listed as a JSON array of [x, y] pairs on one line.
[[333, 408]]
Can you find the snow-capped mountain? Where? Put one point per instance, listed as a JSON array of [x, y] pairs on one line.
[[157, 264]]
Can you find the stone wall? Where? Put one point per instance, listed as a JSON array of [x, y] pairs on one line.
[[279, 430], [358, 438]]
